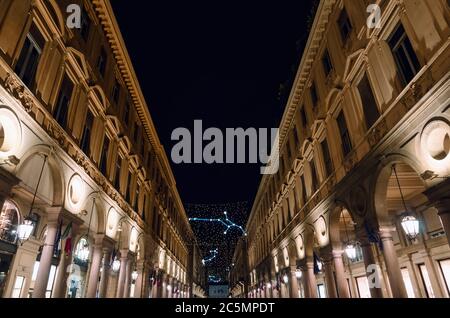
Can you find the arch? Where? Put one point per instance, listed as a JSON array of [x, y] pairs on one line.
[[29, 169], [98, 92], [380, 183], [81, 59], [331, 98], [98, 218], [59, 16], [334, 223]]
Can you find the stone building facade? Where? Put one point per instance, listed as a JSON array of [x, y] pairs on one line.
[[364, 152], [81, 162]]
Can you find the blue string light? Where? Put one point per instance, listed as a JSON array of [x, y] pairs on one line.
[[226, 222], [214, 279]]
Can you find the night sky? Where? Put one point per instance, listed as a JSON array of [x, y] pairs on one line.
[[222, 62]]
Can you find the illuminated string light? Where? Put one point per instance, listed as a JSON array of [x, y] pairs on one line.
[[214, 252], [225, 221], [214, 279]]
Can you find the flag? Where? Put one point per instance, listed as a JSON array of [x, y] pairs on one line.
[[56, 245], [67, 235]]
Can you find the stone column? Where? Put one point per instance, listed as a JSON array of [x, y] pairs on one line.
[[329, 276], [95, 269], [341, 281], [159, 284], [139, 283], [392, 265], [40, 285], [105, 272], [127, 284], [369, 261], [62, 274], [293, 283], [309, 280], [122, 273]]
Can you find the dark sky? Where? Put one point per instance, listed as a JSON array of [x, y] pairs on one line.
[[218, 61]]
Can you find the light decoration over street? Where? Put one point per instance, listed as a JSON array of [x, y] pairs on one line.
[[214, 279], [214, 254], [225, 221]]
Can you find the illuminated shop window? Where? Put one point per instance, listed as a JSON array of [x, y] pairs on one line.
[[82, 251], [18, 286], [408, 283], [321, 291], [426, 281], [9, 220], [445, 270], [363, 287]]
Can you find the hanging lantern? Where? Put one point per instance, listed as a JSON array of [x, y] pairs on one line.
[[411, 226], [116, 265], [298, 274], [134, 275], [25, 229], [269, 285], [350, 250], [285, 279]]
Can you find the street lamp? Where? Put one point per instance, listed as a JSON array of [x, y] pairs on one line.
[[409, 222], [25, 229], [350, 250]]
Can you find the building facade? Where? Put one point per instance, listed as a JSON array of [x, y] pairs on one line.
[[89, 203], [360, 204]]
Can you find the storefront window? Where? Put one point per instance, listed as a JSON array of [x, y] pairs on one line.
[[18, 285], [408, 283], [321, 291], [426, 281], [363, 287], [445, 269], [9, 220]]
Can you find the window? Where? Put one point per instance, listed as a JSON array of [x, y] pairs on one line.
[[86, 136], [408, 283], [314, 181], [445, 270], [326, 61], [18, 285], [104, 156], [345, 135], [101, 63], [404, 56], [136, 198], [303, 118], [321, 291], [126, 114], [29, 56], [303, 191], [117, 173], [116, 92], [326, 157], [51, 279], [62, 104], [136, 132], [85, 25], [128, 196], [314, 96], [345, 26], [363, 287], [9, 221], [426, 281], [371, 113]]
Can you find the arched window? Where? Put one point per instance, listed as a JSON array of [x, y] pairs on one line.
[[82, 250], [9, 220]]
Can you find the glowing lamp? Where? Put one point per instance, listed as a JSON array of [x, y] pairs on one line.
[[411, 226]]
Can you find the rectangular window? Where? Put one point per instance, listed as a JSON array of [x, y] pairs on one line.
[[408, 283], [35, 271], [321, 291], [116, 92], [126, 114], [303, 191], [62, 104], [345, 26], [117, 173], [345, 135], [30, 55], [445, 270], [51, 279], [104, 156], [363, 287], [314, 179], [371, 113], [101, 62], [128, 197], [85, 25], [18, 286], [326, 157], [405, 58], [136, 198], [314, 96], [426, 281], [87, 131], [326, 61], [303, 118]]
